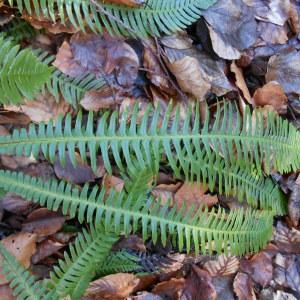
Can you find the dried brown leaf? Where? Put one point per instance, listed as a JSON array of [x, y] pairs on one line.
[[194, 194], [171, 289], [16, 204], [80, 174], [243, 287], [199, 280], [116, 286], [43, 222], [294, 203], [259, 267], [222, 266], [271, 94]]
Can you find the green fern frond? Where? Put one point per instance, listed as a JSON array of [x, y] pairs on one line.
[[236, 232], [24, 285], [21, 73], [71, 88], [78, 268], [119, 262], [153, 18]]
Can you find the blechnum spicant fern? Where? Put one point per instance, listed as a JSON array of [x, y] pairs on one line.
[[21, 73], [237, 232], [152, 18]]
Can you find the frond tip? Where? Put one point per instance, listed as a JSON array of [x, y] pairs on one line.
[[235, 233], [21, 73]]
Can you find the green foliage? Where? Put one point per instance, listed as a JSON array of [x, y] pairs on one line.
[[119, 262], [74, 273], [153, 18], [21, 73], [19, 30], [24, 285], [236, 232]]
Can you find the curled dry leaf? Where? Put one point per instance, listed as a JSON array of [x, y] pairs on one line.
[[116, 286], [22, 245], [199, 280], [240, 81], [171, 289], [243, 287], [43, 222], [132, 242], [154, 70], [271, 94], [194, 194], [285, 69], [80, 174], [259, 267], [222, 266]]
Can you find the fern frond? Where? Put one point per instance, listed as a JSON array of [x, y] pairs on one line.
[[71, 88], [24, 285], [236, 232], [21, 73], [119, 262], [154, 18], [274, 142], [78, 268]]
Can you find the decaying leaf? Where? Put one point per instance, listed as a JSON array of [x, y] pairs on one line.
[[116, 286], [259, 268], [43, 222], [14, 203], [294, 203], [183, 59], [171, 289], [222, 266], [80, 174], [194, 194], [285, 69], [271, 94], [243, 287], [232, 25], [199, 285]]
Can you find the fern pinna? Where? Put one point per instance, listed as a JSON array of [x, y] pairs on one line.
[[153, 18], [237, 232]]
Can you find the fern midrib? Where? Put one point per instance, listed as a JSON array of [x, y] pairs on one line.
[[140, 215], [266, 139]]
